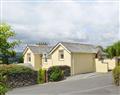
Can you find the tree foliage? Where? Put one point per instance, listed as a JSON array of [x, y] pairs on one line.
[[6, 45], [21, 59], [113, 50]]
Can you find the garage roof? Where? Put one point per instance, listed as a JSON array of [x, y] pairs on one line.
[[77, 47]]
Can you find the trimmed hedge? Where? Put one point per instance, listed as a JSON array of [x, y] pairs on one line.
[[116, 75], [18, 76], [41, 76], [13, 69]]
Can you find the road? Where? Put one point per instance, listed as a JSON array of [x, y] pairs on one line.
[[100, 84]]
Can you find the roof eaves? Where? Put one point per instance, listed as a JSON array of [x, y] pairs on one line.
[[52, 50], [85, 52], [25, 50]]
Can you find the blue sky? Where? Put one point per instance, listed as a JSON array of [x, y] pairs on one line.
[[85, 21]]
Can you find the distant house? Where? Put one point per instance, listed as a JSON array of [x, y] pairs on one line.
[[79, 57]]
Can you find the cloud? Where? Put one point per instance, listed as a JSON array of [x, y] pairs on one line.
[[89, 22]]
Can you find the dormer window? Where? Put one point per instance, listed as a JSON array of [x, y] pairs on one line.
[[61, 54]]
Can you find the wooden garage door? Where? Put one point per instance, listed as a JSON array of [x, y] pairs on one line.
[[83, 63]]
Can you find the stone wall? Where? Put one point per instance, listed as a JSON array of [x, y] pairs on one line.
[[22, 79]]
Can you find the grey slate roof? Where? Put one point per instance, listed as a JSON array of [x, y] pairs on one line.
[[72, 47], [39, 49], [79, 48]]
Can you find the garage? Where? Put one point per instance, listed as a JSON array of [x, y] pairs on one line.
[[83, 63]]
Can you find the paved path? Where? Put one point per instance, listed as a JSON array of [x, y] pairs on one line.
[[94, 85]]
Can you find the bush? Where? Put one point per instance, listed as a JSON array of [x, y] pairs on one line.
[[18, 76], [13, 69], [3, 85], [3, 89], [64, 68], [55, 74], [41, 76], [116, 75]]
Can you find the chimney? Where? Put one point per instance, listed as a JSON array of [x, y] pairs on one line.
[[42, 44]]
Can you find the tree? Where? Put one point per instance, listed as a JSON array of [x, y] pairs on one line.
[[20, 60], [7, 46], [113, 50]]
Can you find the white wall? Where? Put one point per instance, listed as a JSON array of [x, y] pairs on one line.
[[111, 63], [101, 67]]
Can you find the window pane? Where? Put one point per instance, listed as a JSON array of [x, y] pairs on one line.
[[29, 57], [61, 54]]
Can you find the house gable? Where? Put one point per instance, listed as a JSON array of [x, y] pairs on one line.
[[25, 50], [31, 55], [57, 60], [57, 46], [35, 59]]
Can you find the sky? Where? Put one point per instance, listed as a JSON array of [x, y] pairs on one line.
[[85, 21]]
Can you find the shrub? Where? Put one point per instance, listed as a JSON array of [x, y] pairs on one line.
[[116, 75], [13, 69], [64, 68], [18, 76], [3, 85], [55, 74], [41, 76]]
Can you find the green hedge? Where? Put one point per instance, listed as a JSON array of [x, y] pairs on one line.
[[55, 74], [18, 75], [41, 76], [116, 75], [12, 69]]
